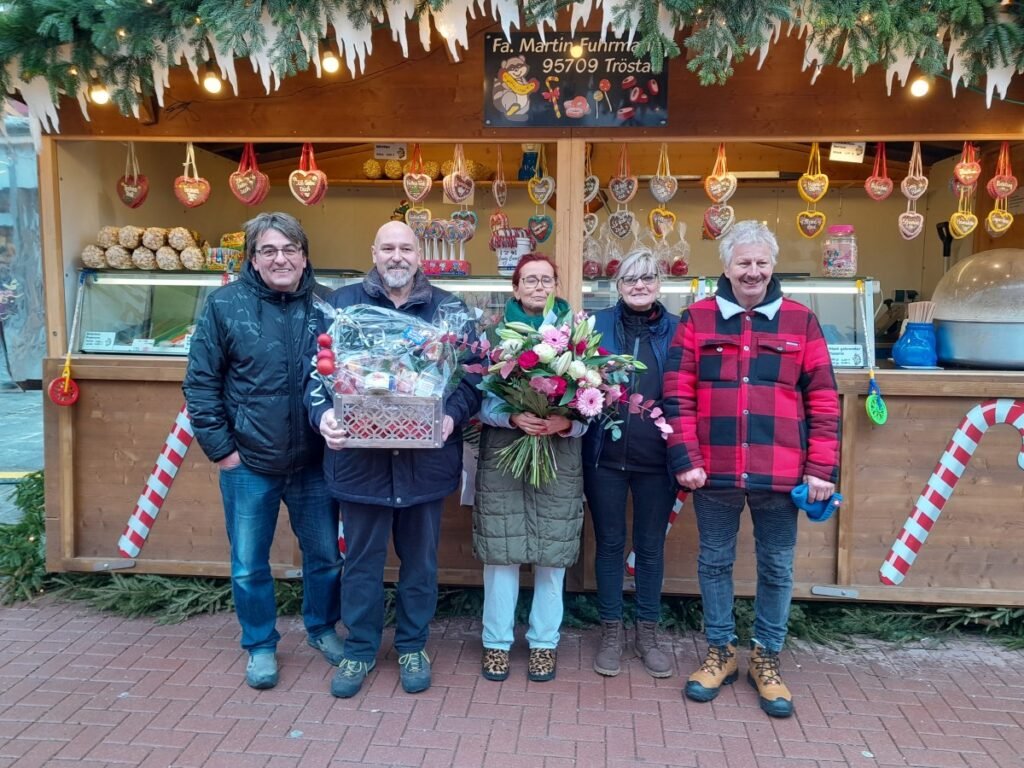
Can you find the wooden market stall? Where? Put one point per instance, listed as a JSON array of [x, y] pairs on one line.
[[100, 451]]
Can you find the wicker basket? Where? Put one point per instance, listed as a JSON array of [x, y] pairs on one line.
[[390, 421]]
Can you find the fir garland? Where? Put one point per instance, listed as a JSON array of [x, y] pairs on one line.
[[117, 42]]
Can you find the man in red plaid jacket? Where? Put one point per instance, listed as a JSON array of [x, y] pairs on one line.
[[752, 401]]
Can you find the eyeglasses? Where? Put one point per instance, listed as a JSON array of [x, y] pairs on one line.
[[532, 281], [270, 252], [645, 279]]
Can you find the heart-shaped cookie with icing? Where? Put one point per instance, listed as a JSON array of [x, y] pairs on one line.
[[718, 219], [913, 187], [622, 188], [662, 222], [967, 172], [500, 191], [417, 217], [540, 189], [878, 187], [466, 215], [249, 186], [1001, 186], [308, 187], [133, 190], [812, 186], [589, 224], [810, 223], [664, 188], [540, 226], [458, 187], [191, 191], [591, 186], [720, 187], [911, 224], [998, 221], [621, 223], [417, 186], [961, 224]]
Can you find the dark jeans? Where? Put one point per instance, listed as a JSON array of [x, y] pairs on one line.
[[775, 527], [416, 532], [251, 503], [653, 496]]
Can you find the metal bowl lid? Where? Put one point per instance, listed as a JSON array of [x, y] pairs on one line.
[[987, 287]]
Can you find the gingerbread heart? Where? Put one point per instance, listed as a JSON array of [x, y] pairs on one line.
[[810, 223], [664, 188], [417, 186], [967, 173], [961, 224], [878, 187], [812, 187], [589, 224], [1002, 186], [914, 186], [622, 188], [621, 223], [911, 224], [540, 226], [466, 215], [458, 187], [591, 186], [308, 187], [191, 191], [718, 219], [720, 187], [500, 191], [540, 189], [662, 222], [417, 217], [998, 221], [133, 190], [247, 187]]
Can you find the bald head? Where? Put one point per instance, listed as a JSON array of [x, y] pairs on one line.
[[396, 254]]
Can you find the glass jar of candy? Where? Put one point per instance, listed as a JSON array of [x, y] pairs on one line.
[[839, 251]]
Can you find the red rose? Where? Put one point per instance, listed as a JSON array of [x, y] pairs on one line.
[[559, 386], [581, 346], [602, 351], [528, 360]]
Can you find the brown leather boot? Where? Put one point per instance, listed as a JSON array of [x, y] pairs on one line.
[[656, 661], [718, 668], [763, 674], [609, 654]]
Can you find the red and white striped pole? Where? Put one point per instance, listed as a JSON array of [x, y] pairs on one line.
[[157, 486], [676, 509], [942, 483]]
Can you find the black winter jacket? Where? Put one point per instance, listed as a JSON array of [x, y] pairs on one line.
[[247, 367], [396, 477]]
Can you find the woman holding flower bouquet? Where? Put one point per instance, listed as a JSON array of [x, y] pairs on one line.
[[636, 464], [529, 486]]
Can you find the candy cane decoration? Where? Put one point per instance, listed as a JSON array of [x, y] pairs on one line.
[[157, 486], [941, 484], [676, 509]]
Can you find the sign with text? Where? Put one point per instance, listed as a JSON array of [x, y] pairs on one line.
[[570, 81]]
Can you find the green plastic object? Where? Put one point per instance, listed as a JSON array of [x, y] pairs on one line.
[[875, 405]]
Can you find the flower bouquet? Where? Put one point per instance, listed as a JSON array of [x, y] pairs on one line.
[[559, 369]]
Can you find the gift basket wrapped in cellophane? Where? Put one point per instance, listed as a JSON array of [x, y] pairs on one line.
[[389, 372]]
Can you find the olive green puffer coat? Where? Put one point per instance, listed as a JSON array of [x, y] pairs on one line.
[[513, 522]]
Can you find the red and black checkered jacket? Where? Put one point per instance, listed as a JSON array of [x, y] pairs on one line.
[[751, 395]]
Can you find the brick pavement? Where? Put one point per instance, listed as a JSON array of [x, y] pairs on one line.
[[81, 688]]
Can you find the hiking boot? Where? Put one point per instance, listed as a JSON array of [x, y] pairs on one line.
[[763, 674], [609, 655], [656, 661], [261, 671], [330, 645], [718, 668], [494, 665], [414, 669], [541, 667], [349, 677]]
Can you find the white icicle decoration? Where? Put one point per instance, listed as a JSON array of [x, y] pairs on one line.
[[261, 58], [398, 12], [507, 12], [773, 37], [354, 44], [899, 68], [452, 24], [955, 63], [581, 14], [226, 64], [611, 10], [42, 112], [998, 79]]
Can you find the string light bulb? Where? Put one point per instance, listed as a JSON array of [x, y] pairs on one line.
[[328, 60], [920, 87], [211, 82], [576, 51], [98, 93]]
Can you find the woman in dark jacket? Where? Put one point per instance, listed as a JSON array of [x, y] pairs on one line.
[[515, 523], [637, 325]]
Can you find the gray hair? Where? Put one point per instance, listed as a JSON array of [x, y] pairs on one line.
[[639, 261], [750, 232], [284, 223]]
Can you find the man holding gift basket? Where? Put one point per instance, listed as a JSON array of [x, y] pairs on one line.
[[244, 387], [384, 341], [750, 393]]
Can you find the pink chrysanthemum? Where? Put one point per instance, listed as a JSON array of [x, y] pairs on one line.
[[589, 402], [557, 338]]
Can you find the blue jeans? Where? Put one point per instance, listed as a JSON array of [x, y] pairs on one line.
[[501, 593], [416, 531], [251, 503], [718, 522], [653, 494]]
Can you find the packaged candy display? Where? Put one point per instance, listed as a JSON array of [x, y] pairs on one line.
[[389, 372], [119, 257], [130, 237], [92, 257], [154, 238], [143, 258]]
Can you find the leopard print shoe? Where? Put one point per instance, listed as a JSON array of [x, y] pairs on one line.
[[494, 665], [542, 665]]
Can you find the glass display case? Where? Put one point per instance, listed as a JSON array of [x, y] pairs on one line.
[[154, 313]]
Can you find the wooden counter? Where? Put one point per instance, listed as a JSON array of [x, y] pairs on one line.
[[100, 451]]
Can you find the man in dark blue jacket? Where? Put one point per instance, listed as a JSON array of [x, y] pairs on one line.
[[391, 491], [244, 387]]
